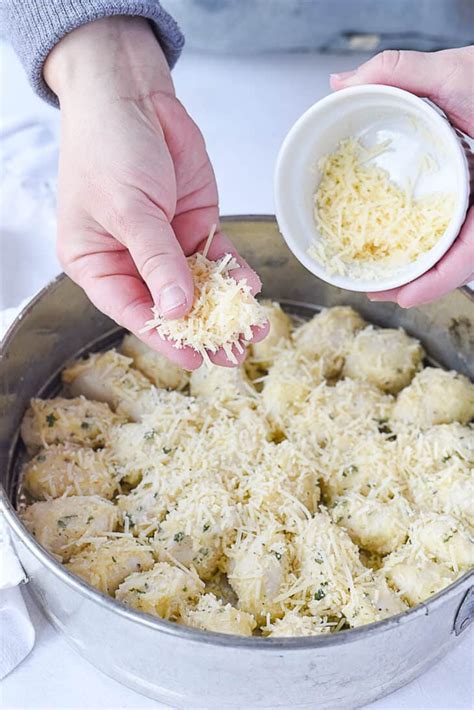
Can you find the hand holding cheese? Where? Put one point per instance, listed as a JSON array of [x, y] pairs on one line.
[[137, 192], [445, 77]]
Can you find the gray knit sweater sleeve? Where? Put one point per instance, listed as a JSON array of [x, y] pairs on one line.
[[33, 27]]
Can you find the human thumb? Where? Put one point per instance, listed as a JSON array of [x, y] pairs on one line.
[[161, 262], [426, 74]]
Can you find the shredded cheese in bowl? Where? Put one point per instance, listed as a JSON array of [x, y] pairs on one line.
[[223, 313], [368, 225]]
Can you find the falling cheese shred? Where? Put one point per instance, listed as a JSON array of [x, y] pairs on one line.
[[369, 226], [223, 313]]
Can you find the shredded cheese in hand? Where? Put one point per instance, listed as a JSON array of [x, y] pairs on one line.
[[222, 315], [365, 220]]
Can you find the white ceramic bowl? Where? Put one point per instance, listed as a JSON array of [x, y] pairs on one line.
[[372, 113]]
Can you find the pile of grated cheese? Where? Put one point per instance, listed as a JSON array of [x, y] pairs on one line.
[[368, 225], [223, 313], [254, 505]]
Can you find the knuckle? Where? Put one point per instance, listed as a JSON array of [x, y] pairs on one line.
[[390, 60], [62, 249], [127, 313], [151, 264], [122, 210]]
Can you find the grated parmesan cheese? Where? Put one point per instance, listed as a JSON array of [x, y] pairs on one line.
[[223, 313], [210, 614], [319, 503], [368, 224]]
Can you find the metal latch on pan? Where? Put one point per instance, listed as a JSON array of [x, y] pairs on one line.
[[465, 614]]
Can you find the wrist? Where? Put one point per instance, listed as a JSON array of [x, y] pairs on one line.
[[120, 56]]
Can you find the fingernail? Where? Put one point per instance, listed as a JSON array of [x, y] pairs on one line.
[[171, 298], [342, 76], [374, 298]]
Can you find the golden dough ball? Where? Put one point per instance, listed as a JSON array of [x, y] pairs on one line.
[[65, 525], [60, 420], [66, 469], [164, 591], [105, 565], [211, 614]]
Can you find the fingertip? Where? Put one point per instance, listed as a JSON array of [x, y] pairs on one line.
[[342, 79], [222, 245], [187, 358], [406, 301], [377, 297], [220, 358], [381, 296], [252, 279], [260, 332]]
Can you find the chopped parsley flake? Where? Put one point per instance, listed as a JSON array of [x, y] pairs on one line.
[[51, 419], [64, 521]]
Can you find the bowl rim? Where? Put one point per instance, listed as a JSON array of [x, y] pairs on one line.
[[424, 264], [178, 630]]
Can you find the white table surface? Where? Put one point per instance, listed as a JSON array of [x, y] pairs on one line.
[[244, 107]]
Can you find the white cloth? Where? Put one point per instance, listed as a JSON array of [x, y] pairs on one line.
[[28, 156], [17, 634]]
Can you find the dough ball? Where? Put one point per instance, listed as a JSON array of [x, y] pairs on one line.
[[435, 397], [155, 366], [105, 565], [66, 469], [211, 614], [329, 335], [65, 525], [385, 357], [262, 353], [165, 591]]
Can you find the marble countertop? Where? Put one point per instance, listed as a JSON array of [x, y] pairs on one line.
[[244, 107]]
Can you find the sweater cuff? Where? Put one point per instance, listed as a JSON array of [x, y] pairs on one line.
[[34, 27]]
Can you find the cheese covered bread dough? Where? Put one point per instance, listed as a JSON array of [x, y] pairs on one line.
[[67, 469], [59, 420], [65, 526], [436, 397], [156, 367], [328, 336], [165, 591], [385, 357], [106, 563], [264, 352], [325, 484], [211, 614], [108, 377]]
